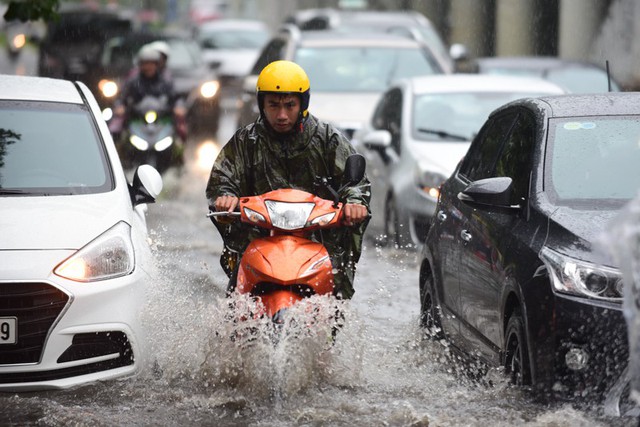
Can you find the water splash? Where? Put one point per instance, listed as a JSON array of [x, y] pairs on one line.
[[623, 240]]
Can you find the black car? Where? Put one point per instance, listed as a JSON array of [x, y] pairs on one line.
[[72, 44], [512, 271]]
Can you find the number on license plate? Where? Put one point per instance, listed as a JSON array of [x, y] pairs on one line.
[[8, 330]]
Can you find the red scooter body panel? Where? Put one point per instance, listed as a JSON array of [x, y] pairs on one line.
[[286, 266]]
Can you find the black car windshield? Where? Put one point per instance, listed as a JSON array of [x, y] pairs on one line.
[[360, 69], [593, 160], [50, 149], [457, 114]]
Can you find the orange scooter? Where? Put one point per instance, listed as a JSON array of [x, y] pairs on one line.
[[287, 266]]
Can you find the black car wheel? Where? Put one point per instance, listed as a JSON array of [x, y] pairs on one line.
[[391, 224], [516, 360], [429, 314]]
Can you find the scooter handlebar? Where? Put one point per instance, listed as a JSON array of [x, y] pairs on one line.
[[222, 213]]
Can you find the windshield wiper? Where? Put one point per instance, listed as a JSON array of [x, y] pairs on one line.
[[7, 191], [443, 134]]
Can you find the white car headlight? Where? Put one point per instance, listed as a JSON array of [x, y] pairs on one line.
[[108, 88], [108, 256], [209, 89], [289, 216], [576, 277]]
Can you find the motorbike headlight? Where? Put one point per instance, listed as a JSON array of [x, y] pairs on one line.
[[576, 277], [289, 216], [163, 144], [254, 216], [209, 89], [108, 88], [19, 40], [139, 143], [323, 219], [429, 182], [108, 256], [150, 117]]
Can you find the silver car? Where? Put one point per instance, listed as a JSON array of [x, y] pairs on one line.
[[348, 71], [419, 131]]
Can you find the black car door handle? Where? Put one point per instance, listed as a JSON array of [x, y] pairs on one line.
[[441, 216], [465, 235]]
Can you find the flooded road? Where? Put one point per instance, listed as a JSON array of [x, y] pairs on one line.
[[379, 372]]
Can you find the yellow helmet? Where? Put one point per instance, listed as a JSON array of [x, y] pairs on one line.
[[284, 77]]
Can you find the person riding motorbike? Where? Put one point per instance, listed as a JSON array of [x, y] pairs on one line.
[[287, 147], [148, 81]]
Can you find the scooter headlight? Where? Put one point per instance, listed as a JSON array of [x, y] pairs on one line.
[[289, 216], [323, 219], [254, 216], [163, 144], [19, 40], [139, 143], [150, 117]]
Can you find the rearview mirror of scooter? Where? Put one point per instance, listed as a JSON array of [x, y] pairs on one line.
[[354, 168]]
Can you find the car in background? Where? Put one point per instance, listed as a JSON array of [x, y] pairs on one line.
[[573, 76], [72, 43], [231, 47], [348, 71], [512, 272], [420, 130], [406, 23], [74, 254], [193, 81]]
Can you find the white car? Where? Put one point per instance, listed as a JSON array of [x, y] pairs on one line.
[[420, 129], [231, 46], [74, 252]]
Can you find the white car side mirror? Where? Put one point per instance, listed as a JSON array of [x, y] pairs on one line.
[[146, 186]]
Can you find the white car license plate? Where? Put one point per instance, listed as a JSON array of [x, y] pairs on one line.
[[8, 330]]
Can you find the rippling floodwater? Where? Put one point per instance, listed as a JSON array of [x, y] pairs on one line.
[[378, 372]]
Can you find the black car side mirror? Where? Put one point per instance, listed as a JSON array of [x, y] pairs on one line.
[[489, 192]]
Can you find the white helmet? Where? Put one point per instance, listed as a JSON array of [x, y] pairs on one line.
[[162, 47], [148, 53]]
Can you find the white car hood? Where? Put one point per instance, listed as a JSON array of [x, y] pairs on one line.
[[442, 157], [58, 222], [343, 108]]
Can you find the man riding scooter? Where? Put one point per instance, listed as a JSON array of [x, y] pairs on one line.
[[149, 80], [286, 147]]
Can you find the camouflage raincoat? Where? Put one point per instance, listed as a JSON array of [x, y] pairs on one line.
[[257, 160]]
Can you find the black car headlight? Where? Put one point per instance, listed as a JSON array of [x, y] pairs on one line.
[[581, 278], [429, 182]]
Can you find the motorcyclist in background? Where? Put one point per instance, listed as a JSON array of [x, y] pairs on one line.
[[286, 147], [148, 81]]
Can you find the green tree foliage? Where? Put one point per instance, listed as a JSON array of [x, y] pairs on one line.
[[31, 10]]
